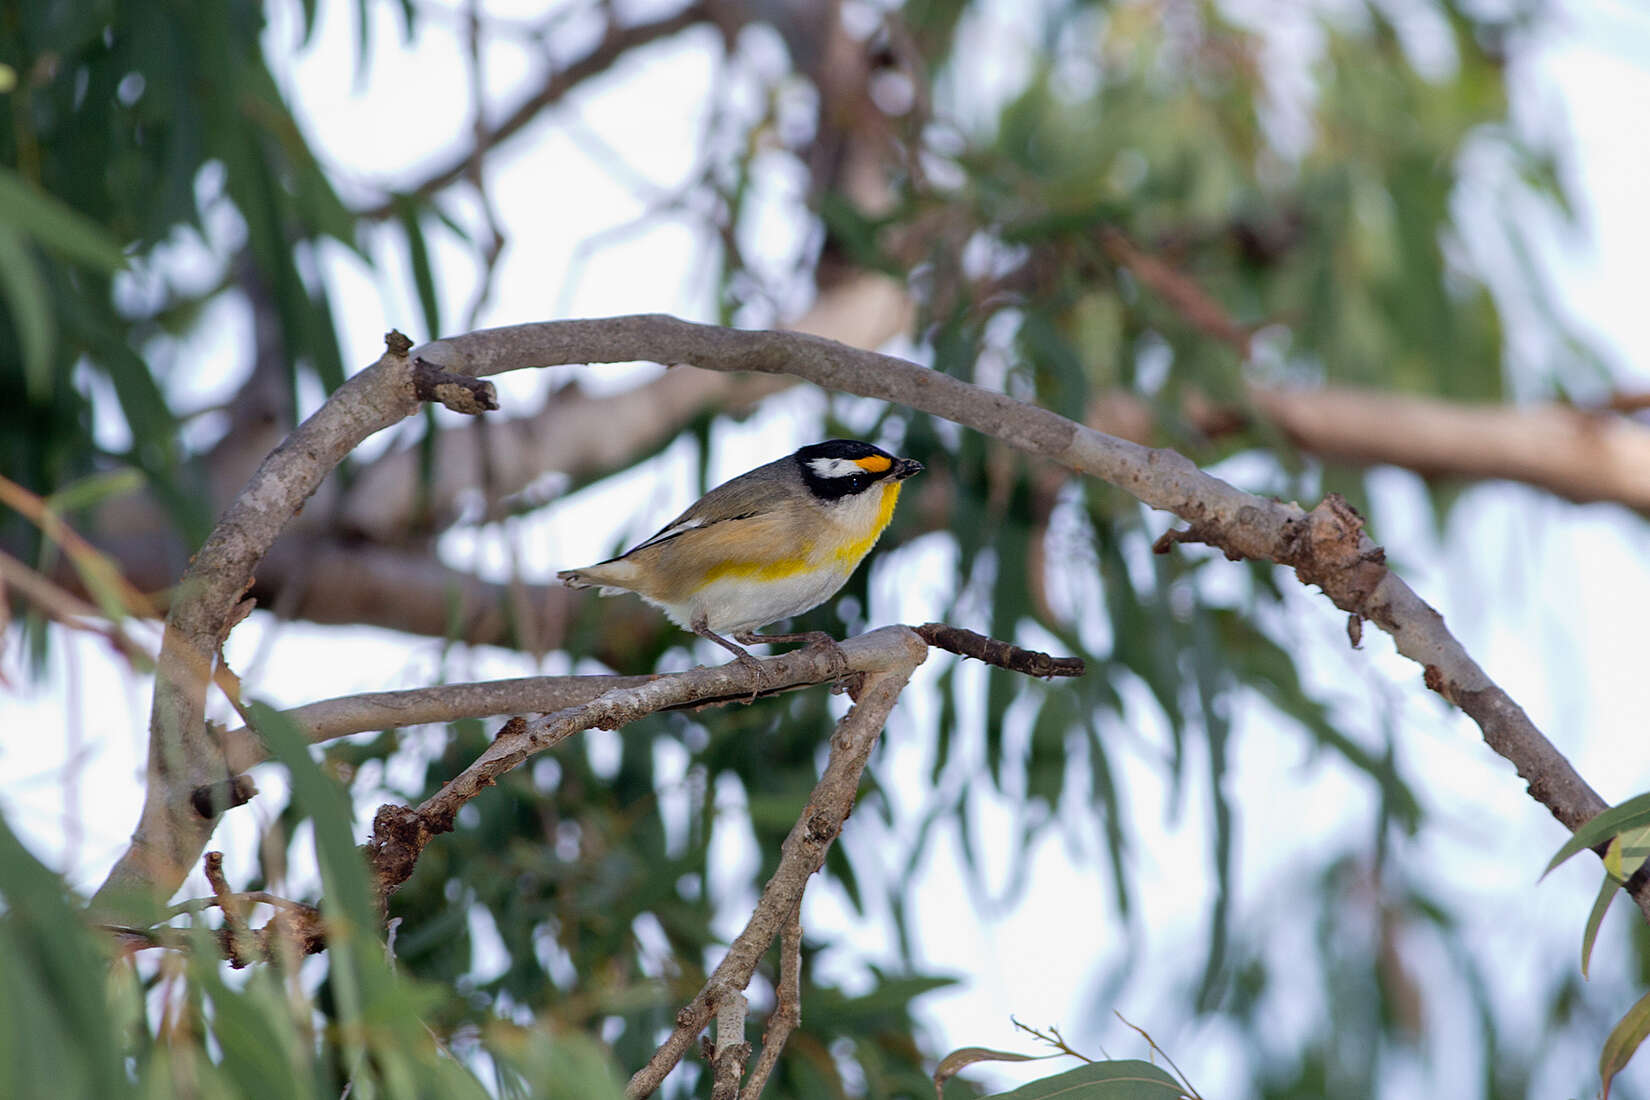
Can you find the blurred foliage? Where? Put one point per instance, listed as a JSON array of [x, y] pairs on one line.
[[576, 900], [88, 1023]]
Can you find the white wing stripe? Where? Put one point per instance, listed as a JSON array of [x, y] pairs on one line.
[[669, 533]]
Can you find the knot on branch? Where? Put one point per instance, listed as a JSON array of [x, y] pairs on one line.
[[1205, 534], [1328, 548], [458, 392], [399, 834], [211, 799]]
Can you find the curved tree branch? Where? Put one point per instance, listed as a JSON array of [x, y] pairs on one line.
[[183, 755], [327, 719], [580, 436], [1327, 547]]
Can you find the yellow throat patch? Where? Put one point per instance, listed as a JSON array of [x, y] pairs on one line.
[[851, 552]]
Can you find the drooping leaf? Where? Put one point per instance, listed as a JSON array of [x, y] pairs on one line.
[[1631, 814], [418, 256], [963, 1057], [1120, 1080], [1623, 1042], [1607, 891], [25, 299], [56, 226]]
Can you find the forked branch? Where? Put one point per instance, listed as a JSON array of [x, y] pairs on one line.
[[803, 854]]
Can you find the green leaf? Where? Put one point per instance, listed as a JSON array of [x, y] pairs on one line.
[[1123, 1080], [254, 1028], [31, 311], [57, 226], [1623, 1042], [347, 904], [1104, 790], [309, 7], [322, 343], [418, 255], [59, 1037], [1607, 891], [963, 1057], [1617, 819], [94, 489]]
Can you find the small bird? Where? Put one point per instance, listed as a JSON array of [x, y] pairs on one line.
[[770, 544]]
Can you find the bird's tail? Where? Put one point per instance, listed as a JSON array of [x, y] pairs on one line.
[[611, 577]]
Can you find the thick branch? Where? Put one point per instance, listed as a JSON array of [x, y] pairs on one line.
[[1241, 524], [580, 435], [1579, 454], [183, 755]]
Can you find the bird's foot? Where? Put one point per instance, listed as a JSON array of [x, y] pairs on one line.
[[756, 668], [816, 640]]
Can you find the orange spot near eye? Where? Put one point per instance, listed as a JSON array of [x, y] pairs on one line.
[[873, 464]]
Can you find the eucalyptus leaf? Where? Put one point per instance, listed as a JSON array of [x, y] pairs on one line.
[[1631, 814], [1121, 1080], [57, 226]]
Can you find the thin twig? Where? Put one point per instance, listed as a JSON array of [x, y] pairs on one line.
[[1184, 1080], [234, 917], [955, 639], [616, 41], [244, 898], [64, 607], [787, 1009], [458, 392], [1051, 1037]]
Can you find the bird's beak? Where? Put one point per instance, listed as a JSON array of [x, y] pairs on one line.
[[905, 467]]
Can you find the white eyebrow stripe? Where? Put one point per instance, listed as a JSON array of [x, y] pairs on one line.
[[836, 467]]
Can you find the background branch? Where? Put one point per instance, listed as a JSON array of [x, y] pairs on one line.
[[616, 40]]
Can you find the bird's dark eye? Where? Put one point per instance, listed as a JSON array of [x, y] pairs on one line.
[[858, 483]]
